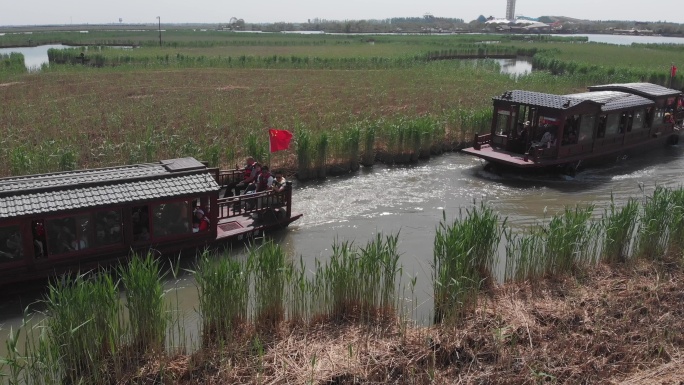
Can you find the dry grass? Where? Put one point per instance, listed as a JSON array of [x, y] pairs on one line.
[[610, 326]]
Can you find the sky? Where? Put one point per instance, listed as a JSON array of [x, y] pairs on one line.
[[40, 12]]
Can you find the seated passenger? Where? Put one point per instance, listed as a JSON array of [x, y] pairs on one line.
[[264, 180], [249, 174], [203, 222], [547, 139], [279, 182], [668, 119]]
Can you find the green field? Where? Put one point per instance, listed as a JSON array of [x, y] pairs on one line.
[[212, 94]]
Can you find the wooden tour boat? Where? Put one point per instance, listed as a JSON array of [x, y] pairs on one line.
[[534, 130], [75, 221]]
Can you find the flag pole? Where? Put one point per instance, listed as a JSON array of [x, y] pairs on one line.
[[269, 151]]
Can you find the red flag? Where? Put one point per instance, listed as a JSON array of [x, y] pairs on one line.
[[673, 71], [279, 139]]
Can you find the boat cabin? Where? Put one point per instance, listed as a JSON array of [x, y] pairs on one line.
[[534, 129], [65, 221]]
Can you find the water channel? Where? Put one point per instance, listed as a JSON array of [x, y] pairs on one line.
[[411, 200]]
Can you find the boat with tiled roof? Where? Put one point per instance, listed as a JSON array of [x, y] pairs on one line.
[[534, 130], [76, 220]]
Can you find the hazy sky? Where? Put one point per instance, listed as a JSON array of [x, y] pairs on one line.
[[16, 12]]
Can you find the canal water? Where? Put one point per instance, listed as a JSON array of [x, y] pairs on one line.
[[410, 200], [36, 57]]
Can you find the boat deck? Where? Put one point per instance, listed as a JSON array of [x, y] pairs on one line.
[[499, 156], [241, 226]]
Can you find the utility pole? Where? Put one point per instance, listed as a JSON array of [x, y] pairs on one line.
[[159, 19]]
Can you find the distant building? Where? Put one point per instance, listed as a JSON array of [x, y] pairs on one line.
[[510, 10]]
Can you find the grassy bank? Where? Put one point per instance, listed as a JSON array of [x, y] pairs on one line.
[[348, 99], [583, 298]]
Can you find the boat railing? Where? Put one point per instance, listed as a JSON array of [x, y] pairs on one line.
[[481, 139], [255, 203], [226, 177]]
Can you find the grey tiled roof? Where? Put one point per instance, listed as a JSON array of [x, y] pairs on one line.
[[648, 90], [106, 194], [559, 102], [614, 100], [31, 182]]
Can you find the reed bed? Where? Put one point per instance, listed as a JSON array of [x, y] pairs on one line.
[[131, 114]]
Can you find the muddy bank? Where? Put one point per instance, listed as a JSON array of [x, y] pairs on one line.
[[610, 325]]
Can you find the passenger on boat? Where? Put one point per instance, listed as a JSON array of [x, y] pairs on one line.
[[203, 222], [13, 246], [669, 119], [264, 180], [547, 139], [249, 174], [279, 182]]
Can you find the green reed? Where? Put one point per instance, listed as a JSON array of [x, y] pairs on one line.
[[83, 325], [147, 313], [569, 237], [653, 235], [304, 147], [321, 146], [268, 264], [524, 254], [369, 133], [223, 291], [676, 233], [619, 226], [464, 255], [357, 283]]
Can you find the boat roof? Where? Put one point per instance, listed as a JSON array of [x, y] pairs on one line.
[[608, 100], [53, 192], [614, 100], [647, 90], [559, 102]]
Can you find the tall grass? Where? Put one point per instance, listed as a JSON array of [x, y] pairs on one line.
[[524, 256], [358, 283], [147, 313], [619, 226], [655, 223], [223, 292], [464, 255], [268, 264], [83, 325], [570, 240]]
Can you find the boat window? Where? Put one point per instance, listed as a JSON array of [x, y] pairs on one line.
[[39, 240], [659, 116], [108, 227], [502, 122], [172, 219], [638, 119], [612, 124], [65, 235], [11, 247], [586, 131], [601, 129], [141, 224], [623, 126]]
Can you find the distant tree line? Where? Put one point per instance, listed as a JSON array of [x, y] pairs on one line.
[[432, 24]]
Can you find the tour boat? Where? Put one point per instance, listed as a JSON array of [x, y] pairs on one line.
[[77, 220], [535, 130]]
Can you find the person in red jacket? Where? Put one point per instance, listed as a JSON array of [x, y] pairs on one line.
[[203, 222]]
